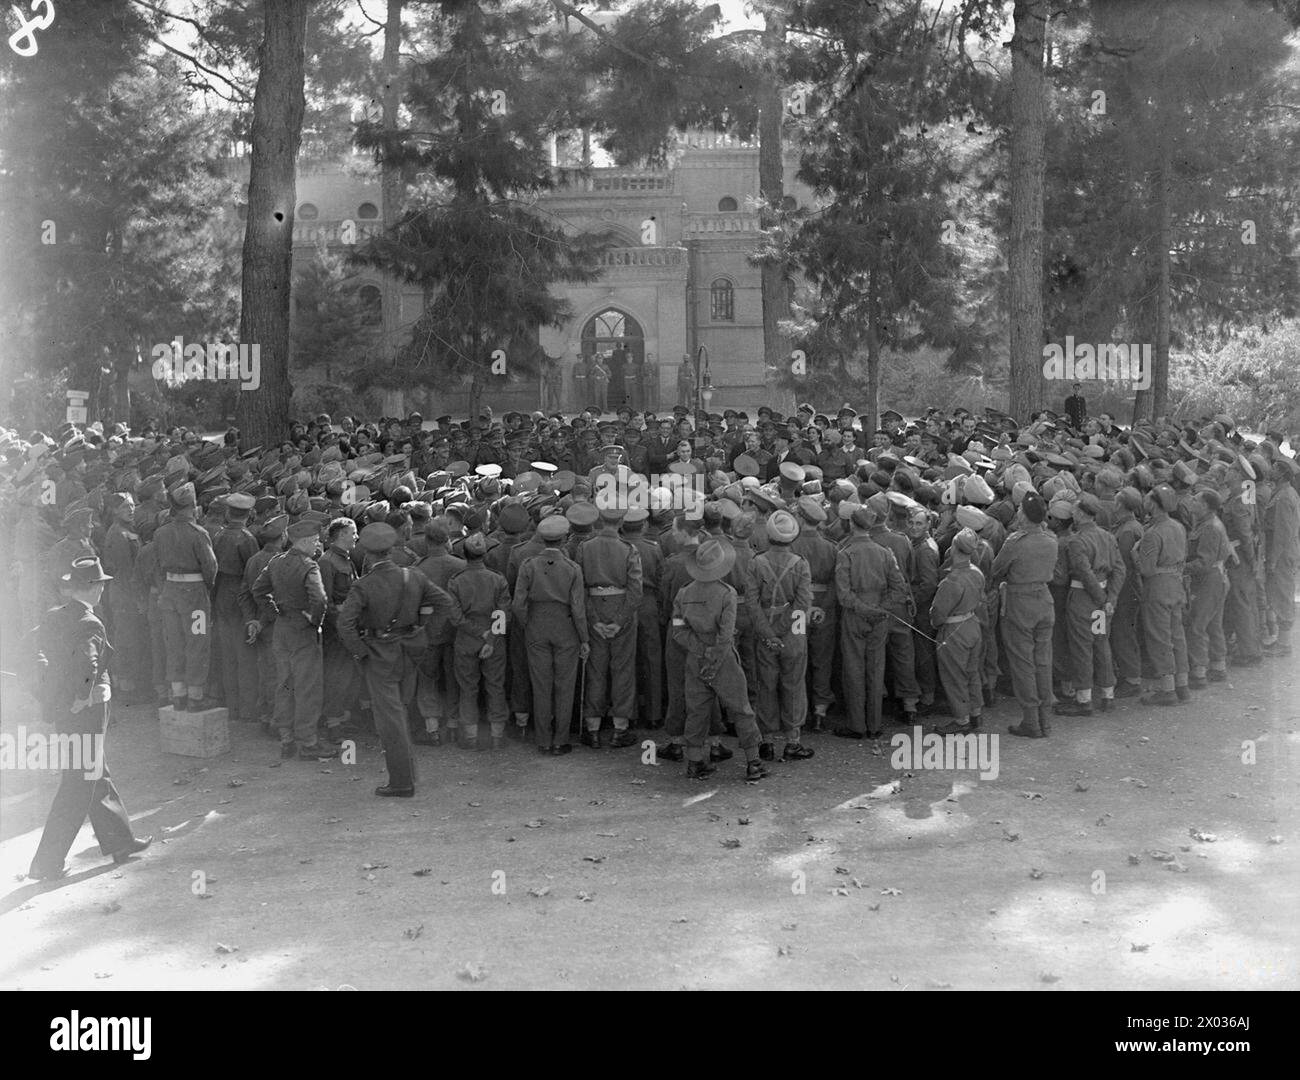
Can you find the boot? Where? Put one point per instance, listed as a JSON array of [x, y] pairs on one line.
[[669, 751], [1197, 682], [755, 770], [1216, 675], [720, 753], [1161, 697], [1127, 689], [1045, 719], [1028, 726], [1182, 693], [766, 751], [699, 770], [1073, 708]]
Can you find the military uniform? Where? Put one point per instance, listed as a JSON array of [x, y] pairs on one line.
[[954, 612], [127, 602], [1160, 557], [437, 694], [1024, 568], [1125, 624], [233, 547], [1208, 553], [189, 569], [611, 574], [924, 584], [479, 613], [290, 585], [649, 643], [1241, 610], [550, 603], [263, 657], [898, 637], [823, 617], [1282, 556], [386, 607], [342, 674], [779, 598], [1096, 571]]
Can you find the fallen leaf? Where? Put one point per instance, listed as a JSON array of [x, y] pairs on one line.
[[227, 948], [889, 890], [857, 884], [1162, 856], [636, 781], [536, 823], [842, 870], [731, 842], [332, 820], [425, 872], [1203, 836], [472, 972], [593, 858], [1176, 867], [586, 897], [1134, 860], [413, 932], [1133, 946], [742, 821], [1009, 836], [681, 920], [1233, 795], [235, 783], [873, 907], [1032, 794], [1079, 785], [103, 974], [607, 834], [839, 890], [1275, 839], [1036, 874], [1048, 977], [374, 866], [784, 950], [784, 926]]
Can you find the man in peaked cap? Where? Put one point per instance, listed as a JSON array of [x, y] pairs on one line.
[[290, 586], [480, 609], [550, 603], [703, 627], [188, 566], [77, 523], [74, 679], [779, 597], [868, 584], [384, 613], [612, 576]]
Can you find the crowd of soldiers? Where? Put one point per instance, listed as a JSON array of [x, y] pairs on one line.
[[694, 577]]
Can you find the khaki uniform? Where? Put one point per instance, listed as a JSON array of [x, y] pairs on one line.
[[1125, 624], [649, 640], [867, 583], [823, 617], [342, 674], [955, 612], [1208, 553], [611, 573], [1023, 569], [1160, 557], [480, 606], [437, 694], [550, 603], [233, 547], [779, 598], [1097, 573], [290, 585], [189, 569]]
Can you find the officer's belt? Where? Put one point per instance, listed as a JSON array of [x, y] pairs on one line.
[[1080, 585], [1165, 570], [184, 577], [959, 618], [605, 590], [1025, 585]]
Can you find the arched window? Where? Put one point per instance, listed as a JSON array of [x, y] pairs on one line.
[[367, 211], [727, 203], [308, 212], [372, 305], [722, 301]]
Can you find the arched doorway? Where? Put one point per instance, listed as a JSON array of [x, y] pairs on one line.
[[620, 342]]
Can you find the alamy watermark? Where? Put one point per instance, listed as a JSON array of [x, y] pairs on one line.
[[176, 363], [1107, 361], [973, 750], [37, 750]]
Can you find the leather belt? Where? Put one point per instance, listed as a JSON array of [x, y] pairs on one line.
[[605, 590], [1079, 584], [1025, 584], [959, 618], [184, 577]]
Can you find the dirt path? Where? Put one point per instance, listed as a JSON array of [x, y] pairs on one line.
[[1039, 878]]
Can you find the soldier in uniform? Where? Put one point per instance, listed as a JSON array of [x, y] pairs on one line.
[[1160, 556], [1241, 612], [290, 586], [437, 694], [189, 569], [649, 644], [550, 603], [74, 662], [1282, 551], [1096, 571], [611, 573], [703, 626], [271, 535], [924, 584], [1125, 635], [868, 585], [1023, 571], [780, 598], [823, 617], [954, 611], [1208, 553], [75, 544], [898, 639], [127, 602], [342, 675], [386, 608], [234, 546], [480, 608]]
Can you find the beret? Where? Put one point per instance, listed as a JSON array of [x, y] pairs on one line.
[[553, 527], [811, 509], [475, 546], [300, 530], [582, 514], [378, 536]]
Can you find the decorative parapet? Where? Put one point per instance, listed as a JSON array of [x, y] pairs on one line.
[[644, 256], [703, 225]]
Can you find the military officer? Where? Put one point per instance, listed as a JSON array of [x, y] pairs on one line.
[[550, 603], [1208, 553], [386, 608], [611, 574], [342, 675], [189, 569], [868, 585], [898, 639], [1241, 612], [649, 644], [480, 614], [954, 612], [234, 546], [75, 691], [703, 626], [1160, 556], [779, 596], [1096, 570], [1023, 570], [437, 694]]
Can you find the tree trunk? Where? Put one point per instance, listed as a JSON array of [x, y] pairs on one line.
[[1148, 404], [771, 186], [873, 360], [391, 177], [278, 104], [1028, 121]]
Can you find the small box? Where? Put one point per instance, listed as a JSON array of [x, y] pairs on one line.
[[194, 734]]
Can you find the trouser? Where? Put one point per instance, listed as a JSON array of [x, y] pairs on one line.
[[157, 644], [1027, 627], [1060, 642], [78, 798], [238, 661], [130, 640], [553, 645], [1203, 628], [1162, 620], [611, 667], [470, 671], [675, 670], [927, 671], [1125, 636], [1279, 589], [437, 694], [902, 660], [299, 690], [649, 667], [342, 677], [747, 649], [186, 615], [519, 673], [782, 700], [389, 677], [958, 661], [989, 633], [862, 643], [727, 688], [1085, 630], [823, 638], [1241, 611], [268, 673]]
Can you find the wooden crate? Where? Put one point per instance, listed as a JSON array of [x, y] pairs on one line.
[[202, 734]]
